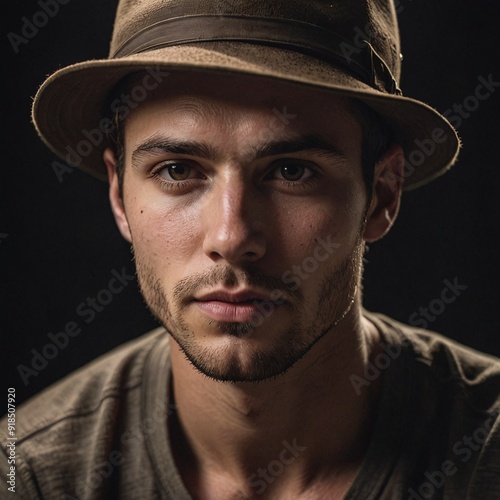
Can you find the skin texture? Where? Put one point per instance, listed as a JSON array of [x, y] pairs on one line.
[[216, 200]]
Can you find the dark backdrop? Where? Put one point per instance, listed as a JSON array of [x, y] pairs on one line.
[[59, 244]]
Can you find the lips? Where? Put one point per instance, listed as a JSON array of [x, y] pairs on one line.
[[236, 307], [233, 298]]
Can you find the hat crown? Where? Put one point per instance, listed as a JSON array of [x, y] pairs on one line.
[[354, 20]]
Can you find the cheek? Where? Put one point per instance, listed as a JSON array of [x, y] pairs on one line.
[[164, 237], [335, 218]]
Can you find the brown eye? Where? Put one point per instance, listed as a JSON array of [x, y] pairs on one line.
[[176, 172], [292, 172]]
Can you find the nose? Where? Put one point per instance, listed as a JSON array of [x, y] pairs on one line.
[[233, 223]]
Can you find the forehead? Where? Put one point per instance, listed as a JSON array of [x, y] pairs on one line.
[[237, 104]]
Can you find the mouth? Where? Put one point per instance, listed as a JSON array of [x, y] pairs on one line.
[[241, 307]]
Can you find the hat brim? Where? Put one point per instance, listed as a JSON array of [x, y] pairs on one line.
[[68, 107]]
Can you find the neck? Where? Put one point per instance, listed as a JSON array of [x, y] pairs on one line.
[[310, 419]]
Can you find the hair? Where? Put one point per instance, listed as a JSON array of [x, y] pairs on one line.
[[116, 141], [376, 137]]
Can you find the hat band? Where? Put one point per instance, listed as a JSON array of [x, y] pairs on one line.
[[307, 38]]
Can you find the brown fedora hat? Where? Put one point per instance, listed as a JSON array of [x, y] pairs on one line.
[[349, 47]]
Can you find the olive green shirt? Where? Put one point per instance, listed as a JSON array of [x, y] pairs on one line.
[[101, 432]]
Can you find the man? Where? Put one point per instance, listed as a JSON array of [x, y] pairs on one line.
[[252, 150]]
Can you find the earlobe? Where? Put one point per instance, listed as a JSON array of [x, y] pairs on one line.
[[115, 195], [386, 194]]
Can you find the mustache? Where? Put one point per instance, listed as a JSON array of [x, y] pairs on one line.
[[230, 278]]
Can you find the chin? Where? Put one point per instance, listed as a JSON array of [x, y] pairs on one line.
[[240, 352]]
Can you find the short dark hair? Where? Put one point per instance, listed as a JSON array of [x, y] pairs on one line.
[[376, 138]]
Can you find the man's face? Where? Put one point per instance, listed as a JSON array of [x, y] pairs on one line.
[[245, 204]]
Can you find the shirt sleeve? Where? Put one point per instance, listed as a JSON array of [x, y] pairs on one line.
[[24, 484]]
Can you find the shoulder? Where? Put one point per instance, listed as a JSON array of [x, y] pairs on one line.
[[85, 389], [434, 349], [61, 427], [443, 366], [448, 400]]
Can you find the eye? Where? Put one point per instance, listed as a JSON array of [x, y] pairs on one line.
[[176, 171], [292, 171]]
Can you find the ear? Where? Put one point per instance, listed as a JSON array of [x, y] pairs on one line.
[[386, 194], [115, 195]]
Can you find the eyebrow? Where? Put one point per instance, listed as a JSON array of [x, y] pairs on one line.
[[162, 144], [307, 143], [310, 143]]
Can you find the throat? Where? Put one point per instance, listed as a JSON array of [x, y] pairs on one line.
[[281, 474], [249, 452], [310, 424]]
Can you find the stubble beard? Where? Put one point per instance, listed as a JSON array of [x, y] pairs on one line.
[[238, 360]]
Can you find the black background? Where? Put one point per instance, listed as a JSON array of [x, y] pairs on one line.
[[59, 243]]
